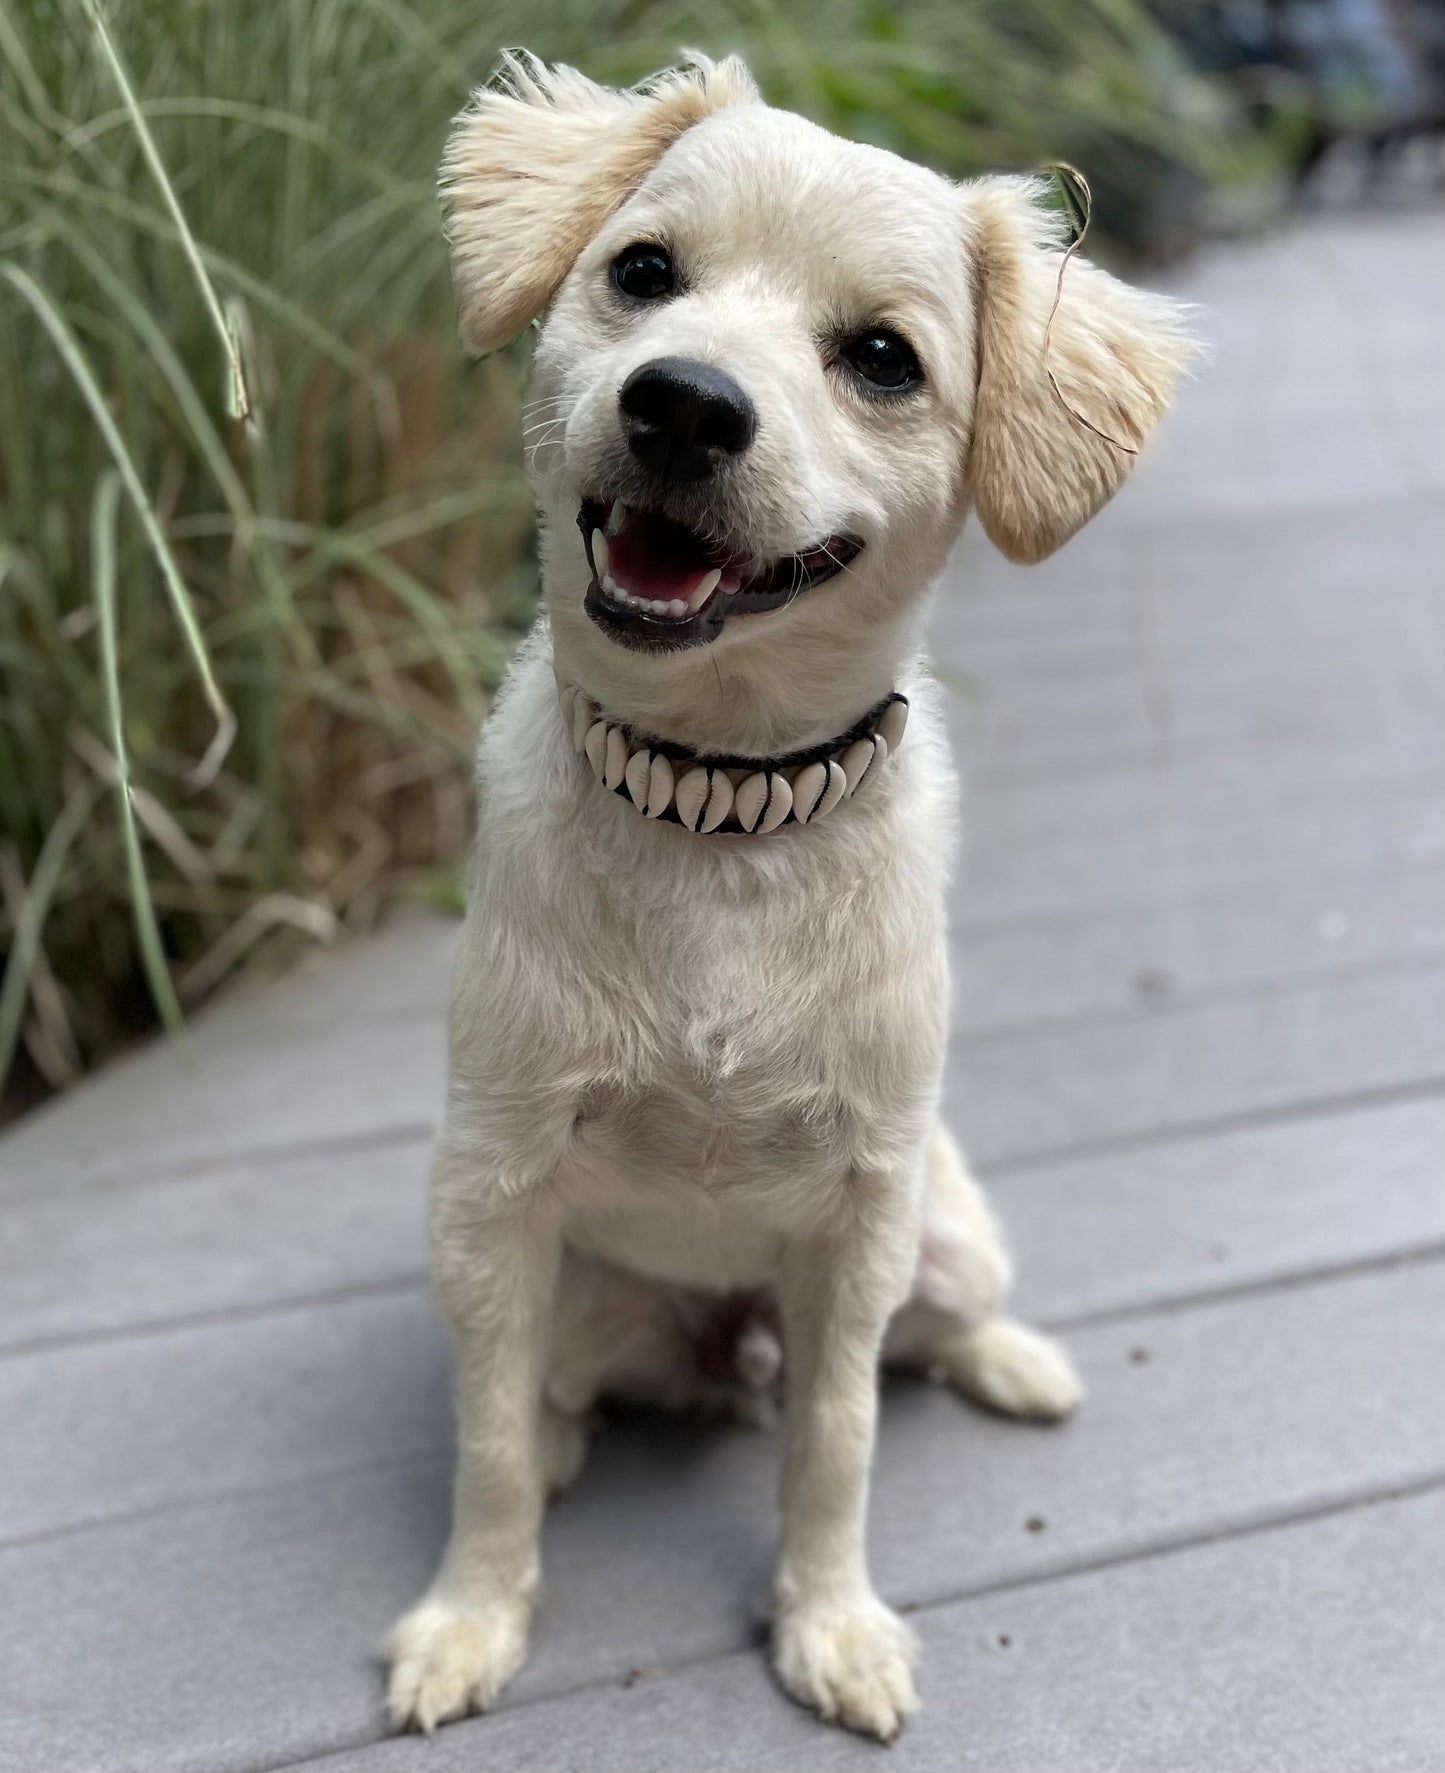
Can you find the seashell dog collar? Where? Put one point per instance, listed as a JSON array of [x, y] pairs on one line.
[[732, 794]]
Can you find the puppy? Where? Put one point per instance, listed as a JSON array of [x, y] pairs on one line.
[[700, 1001]]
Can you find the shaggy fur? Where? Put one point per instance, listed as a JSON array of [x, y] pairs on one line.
[[688, 1072]]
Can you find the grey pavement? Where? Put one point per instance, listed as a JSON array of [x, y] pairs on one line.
[[1199, 1054]]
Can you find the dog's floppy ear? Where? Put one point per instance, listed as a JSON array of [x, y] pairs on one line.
[[536, 164], [1037, 470]]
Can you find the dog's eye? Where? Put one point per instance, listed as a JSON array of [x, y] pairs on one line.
[[645, 273], [883, 360]]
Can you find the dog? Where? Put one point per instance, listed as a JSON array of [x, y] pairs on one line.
[[700, 998]]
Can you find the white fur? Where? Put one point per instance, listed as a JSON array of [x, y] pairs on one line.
[[683, 1065]]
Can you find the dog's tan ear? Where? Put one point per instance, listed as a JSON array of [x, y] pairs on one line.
[[1038, 471], [536, 164]]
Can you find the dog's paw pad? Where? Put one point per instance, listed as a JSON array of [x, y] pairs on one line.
[[852, 1663], [1015, 1370], [448, 1661]]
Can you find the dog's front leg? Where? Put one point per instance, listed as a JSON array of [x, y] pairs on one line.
[[835, 1645], [495, 1262]]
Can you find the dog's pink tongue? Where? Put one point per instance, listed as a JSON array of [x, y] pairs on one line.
[[656, 558]]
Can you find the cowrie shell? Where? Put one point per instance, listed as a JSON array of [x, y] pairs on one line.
[[836, 788], [750, 799], [719, 802], [890, 727], [808, 786], [615, 765], [659, 786], [780, 803], [691, 797], [856, 762], [639, 778]]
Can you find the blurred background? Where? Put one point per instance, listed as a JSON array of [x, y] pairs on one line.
[[265, 542]]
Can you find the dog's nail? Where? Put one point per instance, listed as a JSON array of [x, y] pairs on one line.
[[583, 714]]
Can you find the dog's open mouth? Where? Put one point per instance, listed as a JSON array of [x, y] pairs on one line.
[[657, 583]]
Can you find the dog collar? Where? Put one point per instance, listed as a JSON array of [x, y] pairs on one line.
[[708, 793]]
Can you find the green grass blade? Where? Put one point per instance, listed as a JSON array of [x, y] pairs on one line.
[[30, 926], [148, 935], [78, 365], [238, 398]]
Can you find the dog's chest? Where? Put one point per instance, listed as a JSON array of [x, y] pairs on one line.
[[738, 1065], [695, 1177]]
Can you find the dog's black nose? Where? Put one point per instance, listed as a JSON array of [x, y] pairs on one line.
[[683, 419]]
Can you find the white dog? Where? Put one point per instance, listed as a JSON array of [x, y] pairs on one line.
[[700, 1002]]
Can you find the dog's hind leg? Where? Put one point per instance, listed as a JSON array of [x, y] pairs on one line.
[[952, 1327]]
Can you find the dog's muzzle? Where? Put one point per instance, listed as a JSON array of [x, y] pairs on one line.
[[684, 421], [657, 584]]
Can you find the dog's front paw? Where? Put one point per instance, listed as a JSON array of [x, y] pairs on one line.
[[852, 1661], [448, 1660]]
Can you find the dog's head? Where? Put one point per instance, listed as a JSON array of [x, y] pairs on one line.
[[777, 368]]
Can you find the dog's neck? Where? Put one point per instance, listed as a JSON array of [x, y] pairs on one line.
[[752, 700], [705, 791]]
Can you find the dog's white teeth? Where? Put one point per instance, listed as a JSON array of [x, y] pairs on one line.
[[599, 554], [676, 607], [708, 584], [616, 517]]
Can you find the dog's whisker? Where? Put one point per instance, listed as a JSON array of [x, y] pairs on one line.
[[842, 566]]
